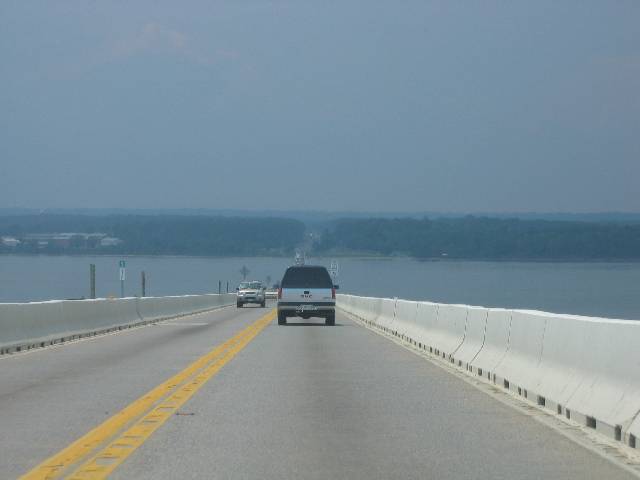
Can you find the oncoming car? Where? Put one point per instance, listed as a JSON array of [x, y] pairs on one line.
[[250, 292], [307, 291]]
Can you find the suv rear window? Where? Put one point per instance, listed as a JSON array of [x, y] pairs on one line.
[[306, 277]]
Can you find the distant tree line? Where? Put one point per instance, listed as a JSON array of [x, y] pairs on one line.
[[163, 234], [464, 238], [483, 238]]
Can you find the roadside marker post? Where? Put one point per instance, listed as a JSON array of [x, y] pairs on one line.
[[123, 276], [92, 280]]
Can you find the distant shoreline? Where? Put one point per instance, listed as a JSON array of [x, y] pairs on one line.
[[439, 240], [354, 256]]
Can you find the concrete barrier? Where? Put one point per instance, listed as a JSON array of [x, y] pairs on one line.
[[519, 370], [30, 325], [28, 321], [365, 308], [566, 350], [473, 339], [449, 329], [426, 321], [387, 314], [598, 386], [585, 369], [405, 319], [496, 343], [86, 316]]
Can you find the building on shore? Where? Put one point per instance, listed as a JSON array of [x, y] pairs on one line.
[[68, 241], [10, 242]]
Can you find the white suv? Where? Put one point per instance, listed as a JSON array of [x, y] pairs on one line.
[[250, 292], [307, 291]]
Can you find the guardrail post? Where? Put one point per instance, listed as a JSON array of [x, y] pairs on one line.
[[92, 280]]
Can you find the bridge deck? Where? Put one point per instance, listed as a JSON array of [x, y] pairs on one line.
[[296, 402]]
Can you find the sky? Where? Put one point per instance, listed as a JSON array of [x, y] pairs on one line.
[[450, 106]]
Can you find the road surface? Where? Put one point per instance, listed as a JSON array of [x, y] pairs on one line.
[[301, 401]]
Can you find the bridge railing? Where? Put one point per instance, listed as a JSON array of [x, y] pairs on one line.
[[585, 368], [38, 324]]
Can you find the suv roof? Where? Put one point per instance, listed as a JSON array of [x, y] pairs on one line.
[[306, 276]]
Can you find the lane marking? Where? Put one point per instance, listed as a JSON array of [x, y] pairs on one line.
[[146, 411], [109, 458]]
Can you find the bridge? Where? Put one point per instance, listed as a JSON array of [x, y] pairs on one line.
[[192, 387]]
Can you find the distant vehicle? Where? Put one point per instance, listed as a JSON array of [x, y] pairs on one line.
[[307, 291], [250, 292], [271, 293]]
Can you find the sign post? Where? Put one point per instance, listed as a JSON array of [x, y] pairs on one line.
[[123, 276], [333, 270]]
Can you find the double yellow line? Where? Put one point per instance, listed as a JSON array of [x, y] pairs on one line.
[[99, 452]]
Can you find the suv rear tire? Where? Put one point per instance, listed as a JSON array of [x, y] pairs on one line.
[[330, 320], [263, 304], [282, 319], [239, 304]]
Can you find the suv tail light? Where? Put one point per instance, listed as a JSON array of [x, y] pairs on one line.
[[279, 293], [333, 292]]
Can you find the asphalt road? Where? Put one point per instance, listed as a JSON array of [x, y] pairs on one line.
[[301, 401]]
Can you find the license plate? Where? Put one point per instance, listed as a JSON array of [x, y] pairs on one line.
[[302, 308]]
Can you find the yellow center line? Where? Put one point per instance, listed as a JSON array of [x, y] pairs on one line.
[[146, 413]]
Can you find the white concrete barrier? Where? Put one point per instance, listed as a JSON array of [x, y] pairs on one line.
[[597, 385], [449, 329], [586, 369], [474, 337], [364, 307], [387, 314], [519, 367], [28, 321], [426, 322], [29, 325], [361, 307], [405, 319], [82, 316], [496, 343]]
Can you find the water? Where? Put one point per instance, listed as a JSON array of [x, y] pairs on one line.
[[597, 289]]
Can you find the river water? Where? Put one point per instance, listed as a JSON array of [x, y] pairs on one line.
[[597, 289]]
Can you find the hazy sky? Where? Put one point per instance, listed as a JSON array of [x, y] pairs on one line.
[[346, 105]]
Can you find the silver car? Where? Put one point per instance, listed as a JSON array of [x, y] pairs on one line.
[[250, 292]]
